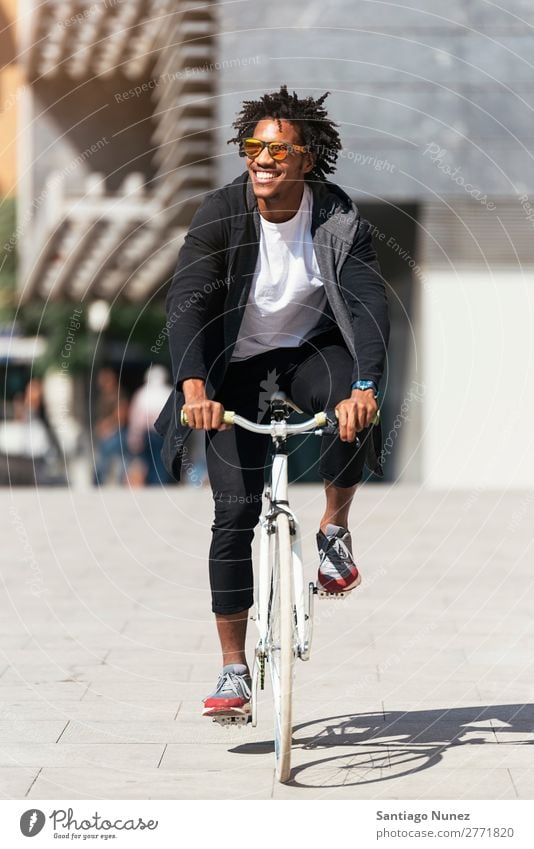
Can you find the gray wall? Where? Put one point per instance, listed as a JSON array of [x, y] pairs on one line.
[[456, 75]]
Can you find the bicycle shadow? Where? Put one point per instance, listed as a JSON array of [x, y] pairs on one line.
[[385, 746]]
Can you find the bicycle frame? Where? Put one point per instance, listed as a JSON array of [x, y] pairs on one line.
[[276, 494]]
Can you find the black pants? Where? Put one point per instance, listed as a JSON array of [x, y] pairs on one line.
[[316, 376]]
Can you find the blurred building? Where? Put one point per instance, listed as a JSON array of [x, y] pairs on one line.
[[124, 120], [10, 79], [115, 147]]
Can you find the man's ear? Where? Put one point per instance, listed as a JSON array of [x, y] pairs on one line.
[[309, 163]]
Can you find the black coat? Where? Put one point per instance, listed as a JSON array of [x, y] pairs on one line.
[[210, 287]]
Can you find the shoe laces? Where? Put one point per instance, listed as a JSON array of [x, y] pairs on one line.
[[231, 681], [337, 545]]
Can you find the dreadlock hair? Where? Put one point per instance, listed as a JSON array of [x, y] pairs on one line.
[[315, 129]]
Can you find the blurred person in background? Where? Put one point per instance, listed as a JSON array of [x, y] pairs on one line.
[[111, 418], [144, 444], [30, 442]]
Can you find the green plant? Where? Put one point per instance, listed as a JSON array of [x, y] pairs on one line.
[[8, 260]]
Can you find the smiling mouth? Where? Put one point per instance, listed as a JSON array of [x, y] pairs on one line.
[[265, 176]]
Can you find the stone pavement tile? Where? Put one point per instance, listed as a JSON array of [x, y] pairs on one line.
[[137, 656], [94, 783], [190, 647], [387, 641], [8, 642], [456, 720], [487, 755], [471, 783], [33, 655], [508, 737], [180, 635], [338, 705], [92, 640], [516, 690], [447, 690], [427, 679], [87, 710], [202, 730], [174, 673], [345, 781], [421, 728], [15, 781], [143, 691], [357, 642], [27, 692], [337, 658], [424, 657], [468, 707], [68, 632], [179, 618], [328, 711], [495, 652], [435, 734], [26, 731], [432, 674], [515, 718], [334, 771], [137, 755], [500, 630], [497, 674], [240, 754], [42, 674], [523, 779], [336, 682], [116, 731]]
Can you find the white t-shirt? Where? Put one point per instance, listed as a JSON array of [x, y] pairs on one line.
[[287, 300]]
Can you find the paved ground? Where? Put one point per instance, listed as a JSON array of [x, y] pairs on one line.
[[419, 687]]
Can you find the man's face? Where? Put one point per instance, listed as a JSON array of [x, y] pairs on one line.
[[273, 180]]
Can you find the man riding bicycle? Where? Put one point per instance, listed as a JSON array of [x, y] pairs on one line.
[[277, 275]]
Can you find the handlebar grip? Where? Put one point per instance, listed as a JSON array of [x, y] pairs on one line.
[[228, 417]]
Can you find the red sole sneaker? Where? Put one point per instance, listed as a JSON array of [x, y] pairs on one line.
[[332, 586], [219, 711]]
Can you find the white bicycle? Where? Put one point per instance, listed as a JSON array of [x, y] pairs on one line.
[[284, 605]]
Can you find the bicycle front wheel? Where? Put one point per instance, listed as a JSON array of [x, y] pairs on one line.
[[281, 653]]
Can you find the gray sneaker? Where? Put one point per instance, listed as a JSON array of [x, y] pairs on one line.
[[232, 694], [338, 572]]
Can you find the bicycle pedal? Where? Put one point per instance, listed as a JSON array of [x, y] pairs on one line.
[[325, 594], [235, 721]]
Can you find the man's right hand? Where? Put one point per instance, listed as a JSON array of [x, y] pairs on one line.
[[201, 413]]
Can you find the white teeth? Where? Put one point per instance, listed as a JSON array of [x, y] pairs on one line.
[[264, 176]]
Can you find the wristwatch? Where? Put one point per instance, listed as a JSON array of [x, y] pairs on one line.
[[365, 384]]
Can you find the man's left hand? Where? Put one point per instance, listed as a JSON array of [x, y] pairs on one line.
[[356, 413]]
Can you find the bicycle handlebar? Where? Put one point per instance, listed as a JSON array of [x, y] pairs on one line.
[[319, 420]]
